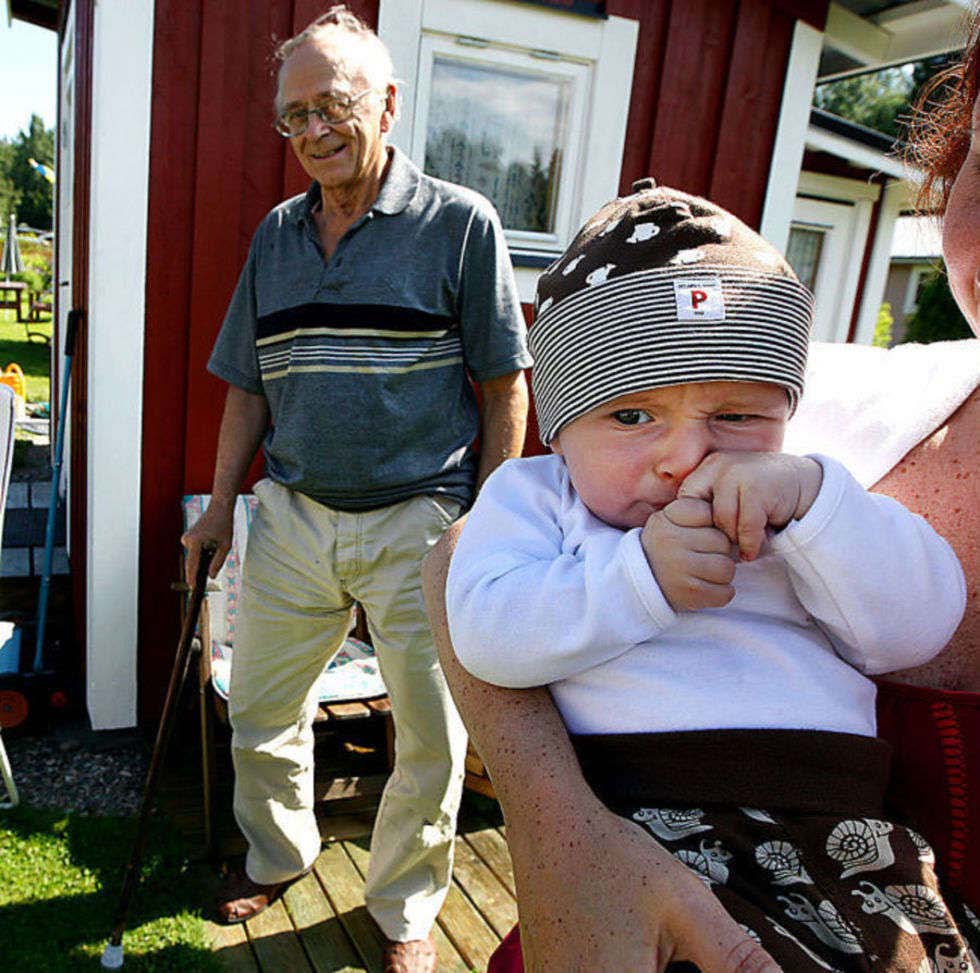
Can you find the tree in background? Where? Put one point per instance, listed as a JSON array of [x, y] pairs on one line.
[[23, 190], [881, 100], [883, 327], [9, 194], [936, 317], [35, 206]]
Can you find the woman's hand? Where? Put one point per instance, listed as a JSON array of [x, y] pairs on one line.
[[598, 893]]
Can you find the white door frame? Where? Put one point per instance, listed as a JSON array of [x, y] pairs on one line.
[[122, 71], [844, 206]]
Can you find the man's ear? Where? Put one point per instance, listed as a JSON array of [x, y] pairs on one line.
[[390, 112]]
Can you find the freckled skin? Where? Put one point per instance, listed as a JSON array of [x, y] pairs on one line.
[[961, 237], [939, 480]]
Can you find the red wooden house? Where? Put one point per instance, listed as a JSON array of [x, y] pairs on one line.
[[167, 161]]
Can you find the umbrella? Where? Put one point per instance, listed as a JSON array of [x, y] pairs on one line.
[[12, 262]]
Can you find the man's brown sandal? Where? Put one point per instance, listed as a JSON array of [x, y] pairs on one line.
[[242, 899], [414, 956]]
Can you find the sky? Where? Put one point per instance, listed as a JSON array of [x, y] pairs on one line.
[[28, 75]]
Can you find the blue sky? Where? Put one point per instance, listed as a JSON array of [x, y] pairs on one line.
[[28, 75]]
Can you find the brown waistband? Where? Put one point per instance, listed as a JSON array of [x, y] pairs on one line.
[[804, 771]]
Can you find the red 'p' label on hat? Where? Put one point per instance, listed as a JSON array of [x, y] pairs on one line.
[[699, 299]]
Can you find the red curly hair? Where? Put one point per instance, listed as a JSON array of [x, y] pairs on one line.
[[939, 134]]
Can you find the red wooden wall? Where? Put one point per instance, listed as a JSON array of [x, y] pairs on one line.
[[704, 106]]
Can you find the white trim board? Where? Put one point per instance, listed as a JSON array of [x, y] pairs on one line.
[[787, 153], [894, 199], [121, 81], [837, 188], [820, 140]]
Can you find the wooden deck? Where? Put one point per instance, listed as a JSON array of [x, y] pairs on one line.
[[321, 923]]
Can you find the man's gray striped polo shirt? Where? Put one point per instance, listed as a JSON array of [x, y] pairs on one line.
[[364, 359]]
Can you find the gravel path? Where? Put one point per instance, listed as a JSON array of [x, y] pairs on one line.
[[74, 769]]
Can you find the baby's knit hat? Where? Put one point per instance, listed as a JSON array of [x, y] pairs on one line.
[[662, 288]]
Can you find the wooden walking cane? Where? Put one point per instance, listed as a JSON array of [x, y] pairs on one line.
[[112, 956]]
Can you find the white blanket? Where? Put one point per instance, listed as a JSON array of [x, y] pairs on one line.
[[867, 407]]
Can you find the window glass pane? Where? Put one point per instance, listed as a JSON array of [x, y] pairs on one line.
[[501, 132], [803, 253]]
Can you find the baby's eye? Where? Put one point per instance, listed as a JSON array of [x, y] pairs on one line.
[[631, 417], [733, 417]]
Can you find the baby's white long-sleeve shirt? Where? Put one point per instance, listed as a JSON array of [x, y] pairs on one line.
[[541, 592]]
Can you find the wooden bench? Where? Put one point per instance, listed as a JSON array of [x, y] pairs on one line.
[[38, 303]]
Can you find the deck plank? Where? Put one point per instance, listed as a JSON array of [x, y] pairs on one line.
[[467, 929], [232, 948], [450, 960], [492, 899], [344, 887], [276, 945], [490, 845], [327, 946]]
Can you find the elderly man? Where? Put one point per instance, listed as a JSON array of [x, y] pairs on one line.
[[363, 307]]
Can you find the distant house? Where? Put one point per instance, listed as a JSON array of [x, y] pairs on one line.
[[916, 254], [167, 161]]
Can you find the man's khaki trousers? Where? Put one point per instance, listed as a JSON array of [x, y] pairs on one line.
[[305, 567]]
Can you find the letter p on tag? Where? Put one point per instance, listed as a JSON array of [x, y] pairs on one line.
[[699, 299]]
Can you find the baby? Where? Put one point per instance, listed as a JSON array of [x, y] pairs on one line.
[[706, 609]]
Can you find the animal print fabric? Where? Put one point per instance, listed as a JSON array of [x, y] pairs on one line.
[[823, 892]]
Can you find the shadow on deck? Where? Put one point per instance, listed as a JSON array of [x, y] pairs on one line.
[[321, 923]]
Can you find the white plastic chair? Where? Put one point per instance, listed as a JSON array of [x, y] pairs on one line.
[[7, 416]]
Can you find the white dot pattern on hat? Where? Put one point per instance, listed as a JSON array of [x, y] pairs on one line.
[[599, 275], [642, 232], [572, 264], [722, 226], [687, 257]]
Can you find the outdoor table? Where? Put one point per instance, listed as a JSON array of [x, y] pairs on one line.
[[10, 294]]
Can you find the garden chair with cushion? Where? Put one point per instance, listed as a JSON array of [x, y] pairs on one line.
[[354, 710], [7, 416]]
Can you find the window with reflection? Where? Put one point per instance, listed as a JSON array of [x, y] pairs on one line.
[[510, 123], [502, 132], [803, 253]]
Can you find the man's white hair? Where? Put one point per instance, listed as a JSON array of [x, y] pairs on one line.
[[376, 61]]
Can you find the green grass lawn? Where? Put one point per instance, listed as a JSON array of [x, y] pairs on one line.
[[61, 876], [32, 355]]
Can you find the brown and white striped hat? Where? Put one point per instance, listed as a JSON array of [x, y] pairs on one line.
[[662, 288]]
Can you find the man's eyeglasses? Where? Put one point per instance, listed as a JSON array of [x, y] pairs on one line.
[[330, 111]]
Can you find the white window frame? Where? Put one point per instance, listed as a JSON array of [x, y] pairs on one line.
[[607, 46], [575, 73], [916, 273]]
